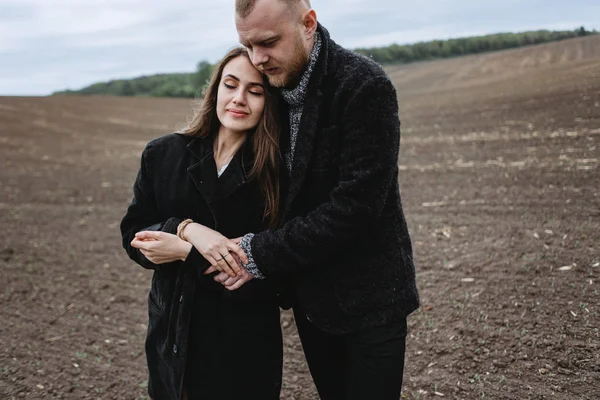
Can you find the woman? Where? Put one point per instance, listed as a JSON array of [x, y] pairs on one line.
[[218, 179]]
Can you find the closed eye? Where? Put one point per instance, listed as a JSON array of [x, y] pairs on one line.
[[270, 41]]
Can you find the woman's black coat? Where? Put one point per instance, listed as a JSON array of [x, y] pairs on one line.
[[178, 180]]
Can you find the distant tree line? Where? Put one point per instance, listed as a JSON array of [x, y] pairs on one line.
[[192, 84], [160, 85], [435, 49]]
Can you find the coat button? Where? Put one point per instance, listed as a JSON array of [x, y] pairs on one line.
[[175, 349], [181, 299]]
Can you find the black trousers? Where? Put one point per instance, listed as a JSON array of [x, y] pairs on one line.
[[366, 365]]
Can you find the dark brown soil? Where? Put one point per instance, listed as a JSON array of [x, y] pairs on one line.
[[500, 179]]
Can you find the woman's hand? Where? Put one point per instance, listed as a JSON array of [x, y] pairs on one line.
[[235, 282], [223, 254], [161, 247]]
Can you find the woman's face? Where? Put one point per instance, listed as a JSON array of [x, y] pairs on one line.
[[241, 95]]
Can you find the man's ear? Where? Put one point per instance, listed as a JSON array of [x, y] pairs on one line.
[[310, 23]]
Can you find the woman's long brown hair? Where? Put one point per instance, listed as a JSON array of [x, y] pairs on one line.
[[265, 137]]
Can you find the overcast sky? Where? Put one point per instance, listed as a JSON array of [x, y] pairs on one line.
[[50, 45]]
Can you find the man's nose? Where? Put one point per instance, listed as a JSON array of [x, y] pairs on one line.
[[259, 57]]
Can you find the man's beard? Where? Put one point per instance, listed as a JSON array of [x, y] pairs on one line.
[[290, 77]]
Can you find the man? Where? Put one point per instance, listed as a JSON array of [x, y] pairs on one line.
[[344, 242]]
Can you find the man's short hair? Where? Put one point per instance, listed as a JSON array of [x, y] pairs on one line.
[[243, 8]]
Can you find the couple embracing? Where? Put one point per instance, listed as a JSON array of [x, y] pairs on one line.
[[281, 192]]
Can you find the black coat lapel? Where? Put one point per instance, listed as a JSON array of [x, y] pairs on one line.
[[308, 123], [304, 146], [236, 174], [204, 172]]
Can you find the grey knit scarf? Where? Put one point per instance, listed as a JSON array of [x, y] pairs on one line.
[[296, 97]]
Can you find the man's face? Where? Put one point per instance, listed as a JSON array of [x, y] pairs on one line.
[[275, 41]]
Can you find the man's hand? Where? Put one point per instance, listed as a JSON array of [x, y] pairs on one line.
[[235, 282], [161, 247]]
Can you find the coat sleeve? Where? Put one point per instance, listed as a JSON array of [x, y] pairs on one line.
[[368, 166], [143, 215]]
